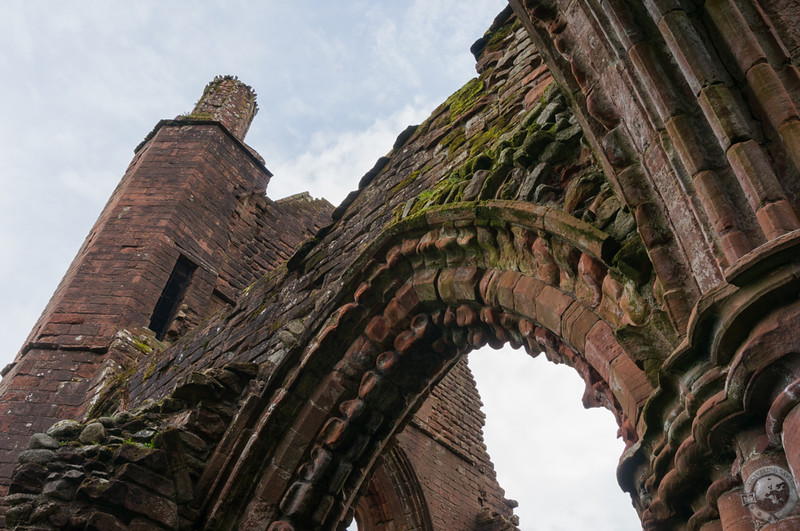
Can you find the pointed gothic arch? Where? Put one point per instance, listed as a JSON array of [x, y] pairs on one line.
[[438, 285]]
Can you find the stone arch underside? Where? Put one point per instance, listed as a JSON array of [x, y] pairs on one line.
[[507, 234], [432, 295]]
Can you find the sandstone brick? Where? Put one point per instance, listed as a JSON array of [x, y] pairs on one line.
[[551, 303], [735, 245], [424, 283], [634, 186], [737, 33], [602, 349], [777, 219], [577, 323], [733, 513], [525, 294], [724, 113], [715, 201], [755, 174], [626, 27], [504, 289], [486, 288], [790, 135], [660, 86], [378, 329], [771, 95], [657, 8], [689, 49], [630, 386], [407, 297], [396, 316], [458, 285], [692, 151]]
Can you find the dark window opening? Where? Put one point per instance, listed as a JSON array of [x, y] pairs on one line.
[[171, 296]]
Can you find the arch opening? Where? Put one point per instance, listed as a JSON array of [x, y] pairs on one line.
[[390, 376], [552, 455], [420, 297]]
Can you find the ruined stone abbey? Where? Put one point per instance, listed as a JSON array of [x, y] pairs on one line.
[[619, 189]]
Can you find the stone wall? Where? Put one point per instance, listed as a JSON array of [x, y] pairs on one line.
[[192, 190]]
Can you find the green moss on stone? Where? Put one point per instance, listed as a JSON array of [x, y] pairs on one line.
[[465, 97], [199, 116], [149, 372], [632, 261], [141, 346], [497, 36], [407, 180], [448, 190]]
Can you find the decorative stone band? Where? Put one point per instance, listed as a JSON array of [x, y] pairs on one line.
[[724, 393], [710, 511], [783, 404]]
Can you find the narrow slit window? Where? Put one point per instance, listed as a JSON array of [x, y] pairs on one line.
[[171, 296]]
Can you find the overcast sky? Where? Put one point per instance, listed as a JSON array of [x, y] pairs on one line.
[[84, 82]]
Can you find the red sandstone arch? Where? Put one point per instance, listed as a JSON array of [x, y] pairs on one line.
[[438, 285], [393, 497]]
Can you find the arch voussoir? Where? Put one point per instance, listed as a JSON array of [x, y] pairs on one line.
[[421, 308]]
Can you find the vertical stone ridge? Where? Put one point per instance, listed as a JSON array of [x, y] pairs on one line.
[[228, 101]]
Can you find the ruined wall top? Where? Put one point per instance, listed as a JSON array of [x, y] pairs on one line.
[[228, 101]]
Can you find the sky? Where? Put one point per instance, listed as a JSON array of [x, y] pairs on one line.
[[85, 82]]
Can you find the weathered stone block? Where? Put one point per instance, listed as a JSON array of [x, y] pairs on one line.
[[772, 96], [424, 283], [94, 432], [790, 134], [602, 349], [36, 457], [777, 219], [660, 86], [458, 285], [755, 174], [694, 59], [41, 441], [736, 32], [504, 289], [577, 322], [692, 151], [378, 330], [525, 293], [551, 303]]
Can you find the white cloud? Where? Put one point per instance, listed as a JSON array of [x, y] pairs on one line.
[[335, 161], [555, 458]]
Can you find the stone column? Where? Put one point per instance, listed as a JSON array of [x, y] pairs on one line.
[[229, 102], [790, 436], [783, 426]]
